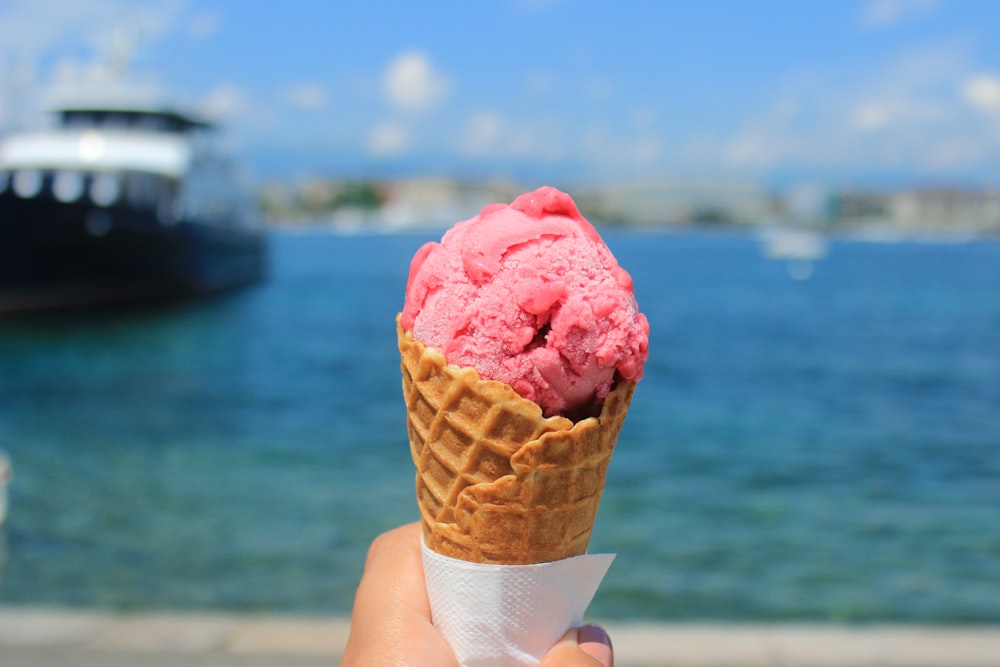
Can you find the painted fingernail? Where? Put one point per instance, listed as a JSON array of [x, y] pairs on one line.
[[596, 643]]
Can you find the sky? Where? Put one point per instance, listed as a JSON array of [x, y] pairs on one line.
[[849, 93]]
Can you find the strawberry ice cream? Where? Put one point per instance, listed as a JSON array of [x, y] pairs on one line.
[[530, 295]]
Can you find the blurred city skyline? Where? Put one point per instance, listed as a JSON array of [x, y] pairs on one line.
[[865, 92]]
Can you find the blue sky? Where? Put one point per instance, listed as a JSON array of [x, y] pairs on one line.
[[852, 92]]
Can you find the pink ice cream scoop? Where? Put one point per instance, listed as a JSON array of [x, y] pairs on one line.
[[529, 294]]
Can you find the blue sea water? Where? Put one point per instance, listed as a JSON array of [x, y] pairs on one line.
[[820, 449]]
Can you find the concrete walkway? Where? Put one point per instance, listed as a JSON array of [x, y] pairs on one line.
[[58, 638]]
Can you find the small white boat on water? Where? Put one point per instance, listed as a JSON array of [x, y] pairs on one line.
[[793, 243], [798, 247]]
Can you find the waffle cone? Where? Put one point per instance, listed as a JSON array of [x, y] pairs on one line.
[[496, 481]]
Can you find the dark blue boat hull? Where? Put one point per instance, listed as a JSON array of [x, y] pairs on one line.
[[54, 254]]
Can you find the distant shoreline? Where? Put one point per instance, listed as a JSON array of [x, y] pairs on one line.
[[874, 234], [440, 202]]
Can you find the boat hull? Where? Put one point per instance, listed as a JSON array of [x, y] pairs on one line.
[[59, 255]]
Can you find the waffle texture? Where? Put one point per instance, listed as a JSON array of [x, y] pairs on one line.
[[496, 481]]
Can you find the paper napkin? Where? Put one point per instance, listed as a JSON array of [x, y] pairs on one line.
[[509, 615]]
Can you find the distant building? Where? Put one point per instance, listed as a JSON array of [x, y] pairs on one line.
[[946, 209], [857, 208], [670, 203], [439, 202]]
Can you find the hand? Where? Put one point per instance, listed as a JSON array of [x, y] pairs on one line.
[[588, 646], [391, 622]]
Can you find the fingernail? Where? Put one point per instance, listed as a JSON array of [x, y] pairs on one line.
[[596, 643]]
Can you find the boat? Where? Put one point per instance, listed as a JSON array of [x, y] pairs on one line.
[[119, 202], [798, 247], [793, 244]]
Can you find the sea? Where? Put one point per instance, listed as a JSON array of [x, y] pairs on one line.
[[811, 441]]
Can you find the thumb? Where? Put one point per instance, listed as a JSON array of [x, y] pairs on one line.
[[588, 646]]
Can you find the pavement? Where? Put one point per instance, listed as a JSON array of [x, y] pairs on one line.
[[36, 637]]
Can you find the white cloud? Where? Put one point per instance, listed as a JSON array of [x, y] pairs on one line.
[[483, 134], [883, 13], [226, 100], [388, 140], [644, 151], [540, 84], [41, 42], [31, 28], [643, 117], [918, 110], [412, 84], [244, 117], [598, 88], [204, 25], [491, 134], [982, 91], [307, 95], [872, 116], [496, 134], [609, 148]]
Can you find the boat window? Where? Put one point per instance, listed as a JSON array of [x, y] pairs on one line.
[[67, 186], [77, 120], [27, 183], [153, 121], [104, 189]]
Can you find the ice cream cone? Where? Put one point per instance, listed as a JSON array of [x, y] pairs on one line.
[[496, 481]]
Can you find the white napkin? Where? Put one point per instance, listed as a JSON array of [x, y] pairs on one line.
[[509, 615]]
